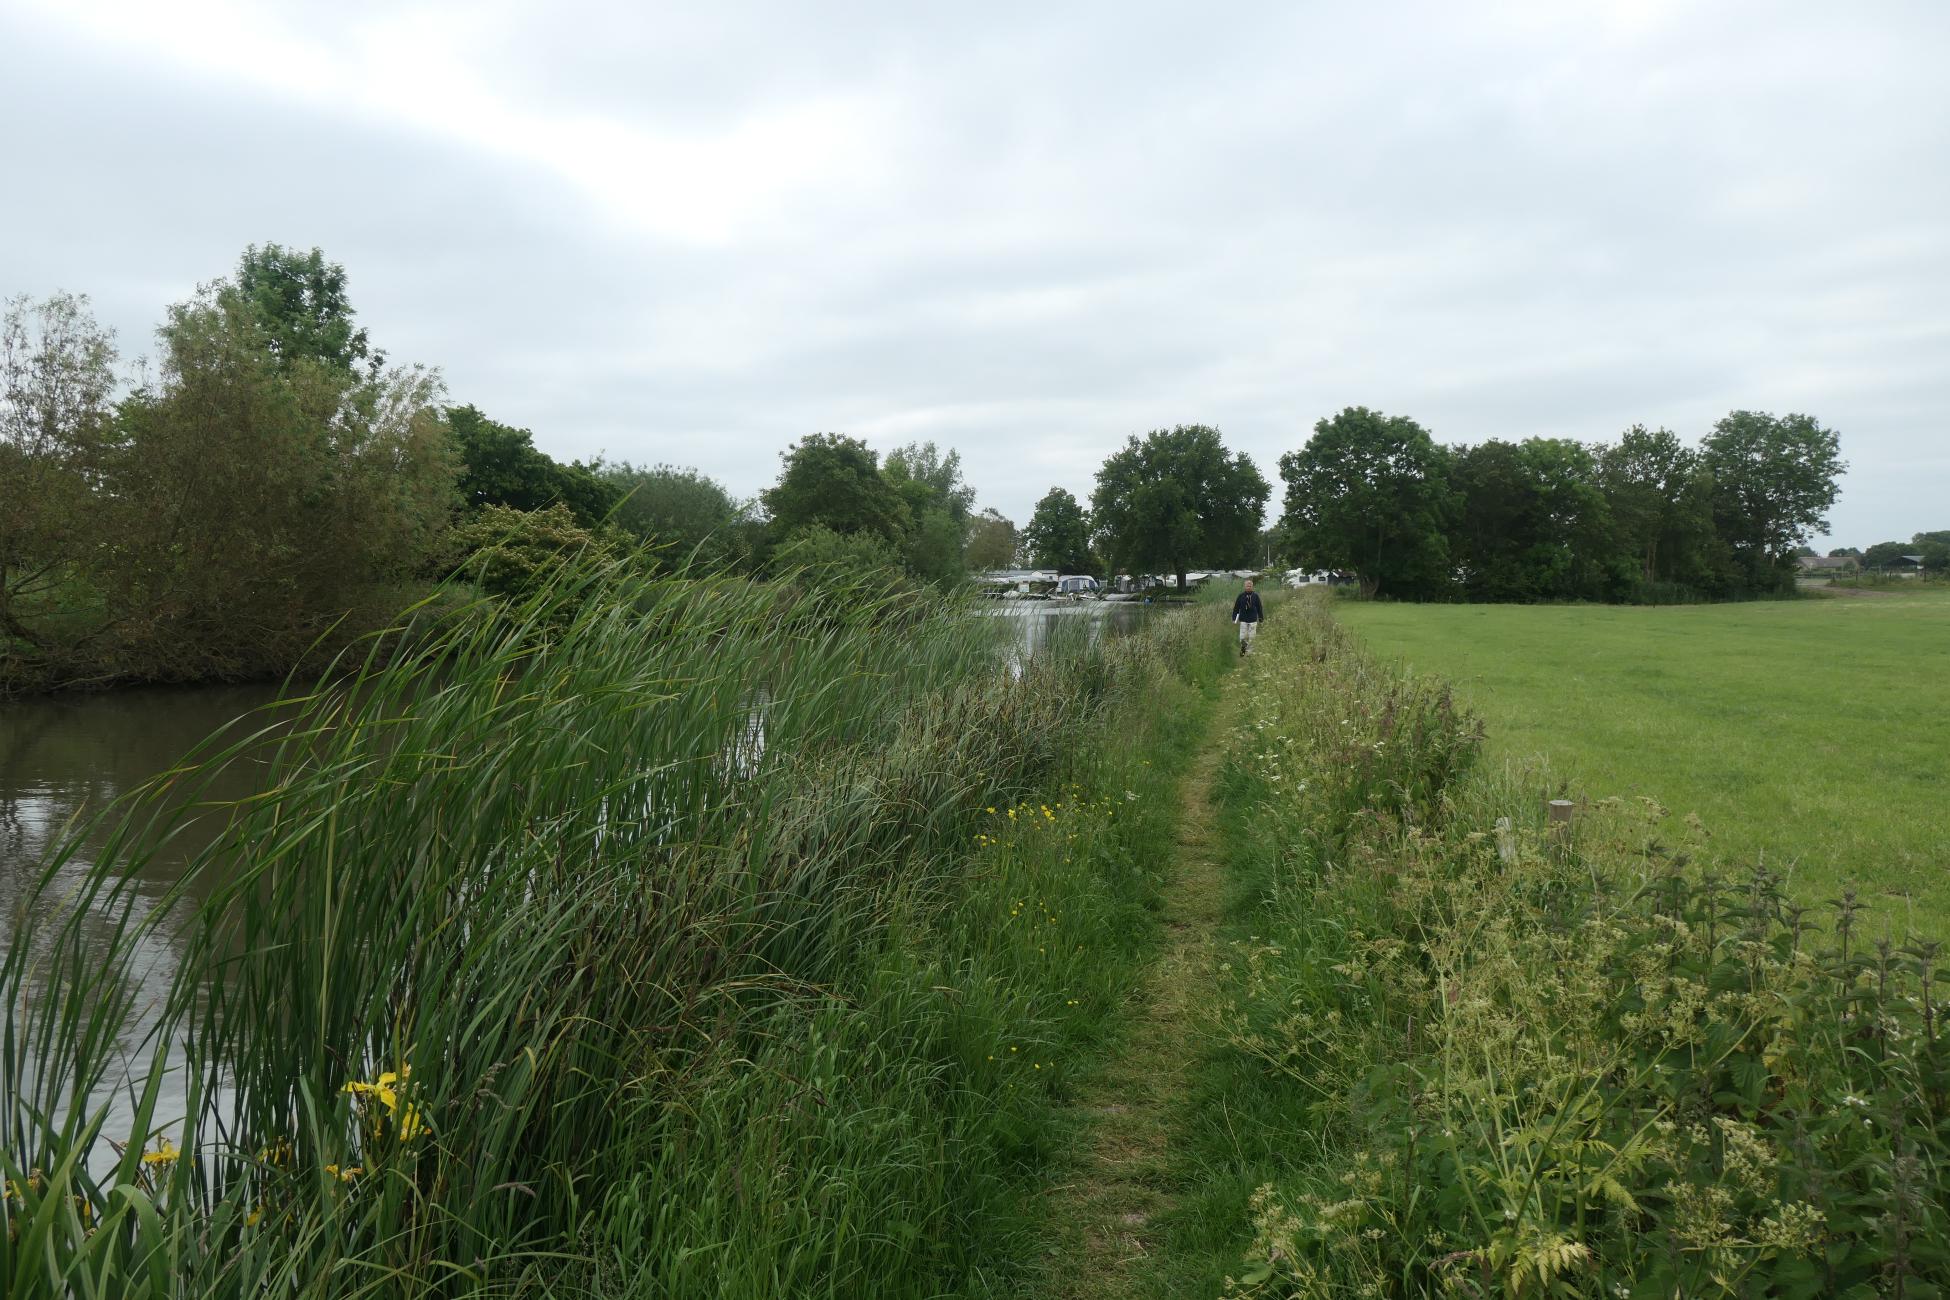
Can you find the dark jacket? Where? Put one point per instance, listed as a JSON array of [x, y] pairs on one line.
[[1247, 608]]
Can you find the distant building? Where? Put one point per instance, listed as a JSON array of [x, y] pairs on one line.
[[1826, 563]]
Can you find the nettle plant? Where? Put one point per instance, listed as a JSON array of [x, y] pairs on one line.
[[1562, 1060]]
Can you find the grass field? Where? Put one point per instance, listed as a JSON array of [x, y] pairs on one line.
[[1816, 732]]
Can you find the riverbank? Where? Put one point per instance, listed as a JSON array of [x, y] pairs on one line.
[[631, 952]]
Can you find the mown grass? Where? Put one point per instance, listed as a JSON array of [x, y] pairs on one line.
[[1806, 732], [1458, 1050], [532, 971]]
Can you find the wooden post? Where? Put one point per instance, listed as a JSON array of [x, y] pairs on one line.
[[1557, 828]]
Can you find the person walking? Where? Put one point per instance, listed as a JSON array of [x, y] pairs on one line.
[[1248, 613]]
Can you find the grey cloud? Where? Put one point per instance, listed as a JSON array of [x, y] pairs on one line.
[[1052, 226]]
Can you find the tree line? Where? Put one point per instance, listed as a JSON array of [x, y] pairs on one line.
[[1643, 518], [274, 483], [1926, 551]]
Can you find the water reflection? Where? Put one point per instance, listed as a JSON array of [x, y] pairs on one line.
[[1044, 621], [66, 759]]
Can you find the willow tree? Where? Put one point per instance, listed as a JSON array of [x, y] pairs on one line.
[[57, 372]]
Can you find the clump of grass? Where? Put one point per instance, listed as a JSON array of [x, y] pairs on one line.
[[1522, 1059], [635, 939]]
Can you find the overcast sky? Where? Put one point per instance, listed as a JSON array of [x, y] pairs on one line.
[[1026, 231]]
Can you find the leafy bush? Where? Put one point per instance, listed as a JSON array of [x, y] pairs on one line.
[[509, 552]]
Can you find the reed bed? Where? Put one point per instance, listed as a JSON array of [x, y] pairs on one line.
[[640, 938], [1470, 1051]]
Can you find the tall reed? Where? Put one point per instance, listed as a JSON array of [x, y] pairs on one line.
[[522, 896]]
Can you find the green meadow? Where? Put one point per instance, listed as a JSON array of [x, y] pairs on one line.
[[1813, 732]]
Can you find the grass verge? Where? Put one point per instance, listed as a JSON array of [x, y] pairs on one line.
[[1464, 1050]]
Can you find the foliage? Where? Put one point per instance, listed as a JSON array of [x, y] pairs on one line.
[[1645, 519], [1659, 496], [647, 937], [262, 497], [1933, 550], [509, 552], [992, 542], [688, 515], [501, 466], [1176, 498], [938, 505], [1058, 534], [1549, 1061], [57, 437], [934, 548], [830, 560], [1369, 494], [833, 481], [267, 493], [1533, 523], [301, 300], [1773, 481], [929, 479]]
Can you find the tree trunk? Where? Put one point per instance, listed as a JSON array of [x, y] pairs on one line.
[[13, 627]]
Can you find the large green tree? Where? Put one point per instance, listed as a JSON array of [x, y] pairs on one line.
[[992, 541], [1773, 482], [1659, 495], [502, 466], [301, 302], [833, 481], [938, 503], [1369, 493], [690, 516], [1058, 534], [1531, 523], [1176, 498], [930, 479], [57, 433]]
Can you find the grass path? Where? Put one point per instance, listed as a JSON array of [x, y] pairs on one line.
[[1106, 1211]]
